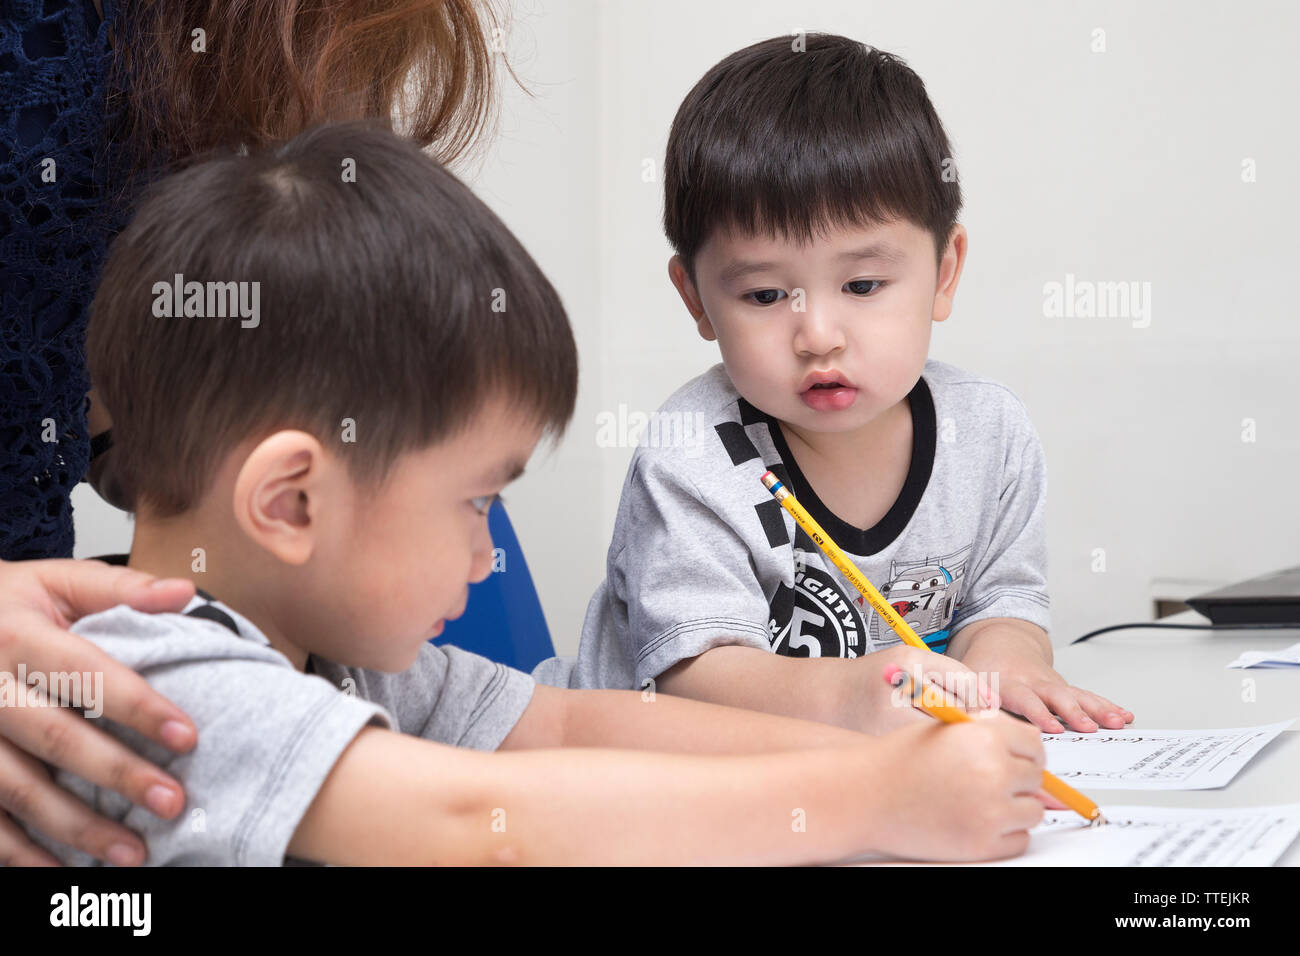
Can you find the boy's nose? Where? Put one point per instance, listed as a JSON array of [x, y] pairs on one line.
[[481, 566], [817, 332]]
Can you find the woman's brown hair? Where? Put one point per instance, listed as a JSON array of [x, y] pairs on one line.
[[272, 68]]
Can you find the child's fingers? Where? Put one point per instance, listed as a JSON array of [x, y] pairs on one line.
[[958, 681], [1021, 699], [1062, 701], [1104, 712], [1107, 706], [1026, 746], [1027, 813]]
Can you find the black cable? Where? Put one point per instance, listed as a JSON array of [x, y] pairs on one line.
[[1189, 627]]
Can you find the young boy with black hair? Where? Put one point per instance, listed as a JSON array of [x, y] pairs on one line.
[[811, 197], [319, 383]]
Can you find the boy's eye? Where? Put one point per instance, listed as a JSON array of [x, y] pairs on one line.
[[483, 503], [765, 296], [858, 286]]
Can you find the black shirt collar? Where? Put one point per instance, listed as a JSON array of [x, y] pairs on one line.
[[874, 539]]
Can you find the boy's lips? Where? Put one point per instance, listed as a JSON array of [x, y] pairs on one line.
[[828, 390]]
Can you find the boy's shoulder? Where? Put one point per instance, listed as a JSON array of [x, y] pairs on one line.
[[206, 655], [681, 435], [970, 402], [710, 394], [946, 377], [269, 734], [142, 640], [214, 663]]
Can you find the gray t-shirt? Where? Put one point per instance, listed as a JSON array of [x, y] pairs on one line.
[[703, 555], [268, 734]]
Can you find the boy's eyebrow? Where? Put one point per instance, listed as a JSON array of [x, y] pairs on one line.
[[504, 474], [876, 250]]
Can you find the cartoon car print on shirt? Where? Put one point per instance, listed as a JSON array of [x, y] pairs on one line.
[[925, 594]]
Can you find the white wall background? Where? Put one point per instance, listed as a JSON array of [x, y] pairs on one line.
[[1123, 165]]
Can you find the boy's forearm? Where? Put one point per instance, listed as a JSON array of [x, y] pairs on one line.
[[827, 690], [1024, 636], [396, 799], [594, 806], [644, 721]]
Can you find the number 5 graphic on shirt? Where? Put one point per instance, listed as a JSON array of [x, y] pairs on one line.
[[798, 617]]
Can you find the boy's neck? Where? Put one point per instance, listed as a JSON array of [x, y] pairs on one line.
[[857, 475], [245, 582], [845, 450]]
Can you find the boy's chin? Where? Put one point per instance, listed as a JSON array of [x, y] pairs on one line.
[[409, 660], [397, 658], [820, 422]]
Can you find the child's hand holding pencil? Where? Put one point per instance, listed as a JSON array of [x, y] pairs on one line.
[[1058, 794], [880, 709], [961, 792]]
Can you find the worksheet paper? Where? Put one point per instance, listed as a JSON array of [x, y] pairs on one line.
[[1155, 759], [1160, 836], [1287, 657]]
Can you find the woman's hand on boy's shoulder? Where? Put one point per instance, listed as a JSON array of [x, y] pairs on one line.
[[1019, 653], [39, 600]]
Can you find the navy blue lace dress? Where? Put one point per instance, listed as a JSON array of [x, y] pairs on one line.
[[54, 230]]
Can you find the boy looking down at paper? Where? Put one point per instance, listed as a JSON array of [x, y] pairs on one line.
[[324, 474], [811, 200]]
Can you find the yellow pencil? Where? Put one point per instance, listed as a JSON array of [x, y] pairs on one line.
[[1058, 788], [782, 494]]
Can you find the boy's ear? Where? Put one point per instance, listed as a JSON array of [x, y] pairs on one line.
[[281, 493], [954, 257], [686, 289]]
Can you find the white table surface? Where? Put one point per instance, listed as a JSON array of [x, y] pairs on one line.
[[1178, 679]]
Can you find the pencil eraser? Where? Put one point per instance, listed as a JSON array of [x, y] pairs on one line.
[[892, 672]]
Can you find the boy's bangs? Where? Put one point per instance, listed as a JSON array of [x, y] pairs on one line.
[[789, 143]]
